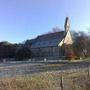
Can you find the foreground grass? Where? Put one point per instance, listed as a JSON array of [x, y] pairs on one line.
[[35, 82], [46, 81]]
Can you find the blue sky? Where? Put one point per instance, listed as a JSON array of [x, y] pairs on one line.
[[25, 19]]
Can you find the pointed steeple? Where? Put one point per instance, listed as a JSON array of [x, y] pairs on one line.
[[67, 25]]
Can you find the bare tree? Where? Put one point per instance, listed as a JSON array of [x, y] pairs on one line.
[[81, 44]]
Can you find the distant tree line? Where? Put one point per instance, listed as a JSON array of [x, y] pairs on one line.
[[16, 51]]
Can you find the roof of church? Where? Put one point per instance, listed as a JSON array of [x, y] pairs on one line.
[[46, 40]]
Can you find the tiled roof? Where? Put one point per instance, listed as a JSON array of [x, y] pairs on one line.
[[46, 40], [50, 36]]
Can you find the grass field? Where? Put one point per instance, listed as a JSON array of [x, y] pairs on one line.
[[47, 81], [47, 76], [35, 82]]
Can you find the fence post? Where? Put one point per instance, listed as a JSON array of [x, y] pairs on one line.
[[62, 82], [88, 72]]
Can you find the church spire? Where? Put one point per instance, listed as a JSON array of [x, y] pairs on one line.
[[67, 25]]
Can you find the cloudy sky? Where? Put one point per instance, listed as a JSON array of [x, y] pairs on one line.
[[25, 19]]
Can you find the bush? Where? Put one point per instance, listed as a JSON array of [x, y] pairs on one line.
[[23, 53]]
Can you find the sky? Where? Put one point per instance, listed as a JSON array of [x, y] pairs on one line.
[[25, 19]]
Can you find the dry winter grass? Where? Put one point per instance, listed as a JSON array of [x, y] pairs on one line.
[[36, 82], [46, 81]]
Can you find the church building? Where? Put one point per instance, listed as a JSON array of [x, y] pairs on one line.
[[50, 45]]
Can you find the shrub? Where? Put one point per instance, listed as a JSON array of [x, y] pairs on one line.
[[23, 53]]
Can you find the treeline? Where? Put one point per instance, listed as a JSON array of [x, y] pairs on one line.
[[16, 51]]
